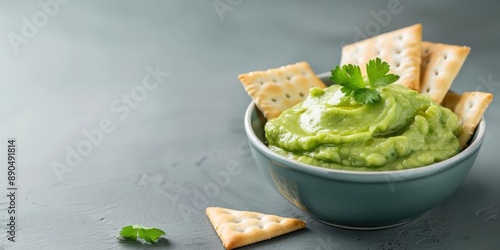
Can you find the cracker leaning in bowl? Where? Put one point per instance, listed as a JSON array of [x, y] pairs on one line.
[[275, 90], [426, 67], [469, 107], [440, 65], [400, 48]]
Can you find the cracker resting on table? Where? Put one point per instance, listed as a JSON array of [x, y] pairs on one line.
[[469, 107], [275, 90], [440, 65], [400, 48], [240, 228]]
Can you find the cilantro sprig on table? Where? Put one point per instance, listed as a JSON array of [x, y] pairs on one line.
[[149, 234], [364, 91]]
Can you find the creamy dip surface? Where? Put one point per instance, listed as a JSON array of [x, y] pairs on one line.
[[403, 129]]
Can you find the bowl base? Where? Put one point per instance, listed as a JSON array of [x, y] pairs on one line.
[[367, 228]]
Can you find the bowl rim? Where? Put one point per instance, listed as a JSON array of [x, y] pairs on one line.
[[393, 175]]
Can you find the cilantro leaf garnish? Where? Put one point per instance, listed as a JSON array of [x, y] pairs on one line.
[[363, 91], [366, 95], [349, 76], [377, 73], [149, 234]]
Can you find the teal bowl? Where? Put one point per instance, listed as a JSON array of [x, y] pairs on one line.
[[359, 200]]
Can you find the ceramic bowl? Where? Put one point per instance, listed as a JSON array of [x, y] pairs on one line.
[[354, 199]]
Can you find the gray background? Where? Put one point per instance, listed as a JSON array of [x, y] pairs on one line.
[[151, 169]]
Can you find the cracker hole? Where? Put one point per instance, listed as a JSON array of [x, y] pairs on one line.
[[400, 37], [427, 90], [303, 73], [301, 94], [445, 57], [261, 83], [436, 73], [273, 100], [426, 51], [378, 52], [471, 105], [289, 78], [398, 64], [398, 51], [287, 95]]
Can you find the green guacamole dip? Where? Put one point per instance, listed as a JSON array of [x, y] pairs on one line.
[[404, 129]]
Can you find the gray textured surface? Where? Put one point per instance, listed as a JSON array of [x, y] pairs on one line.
[[71, 74]]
